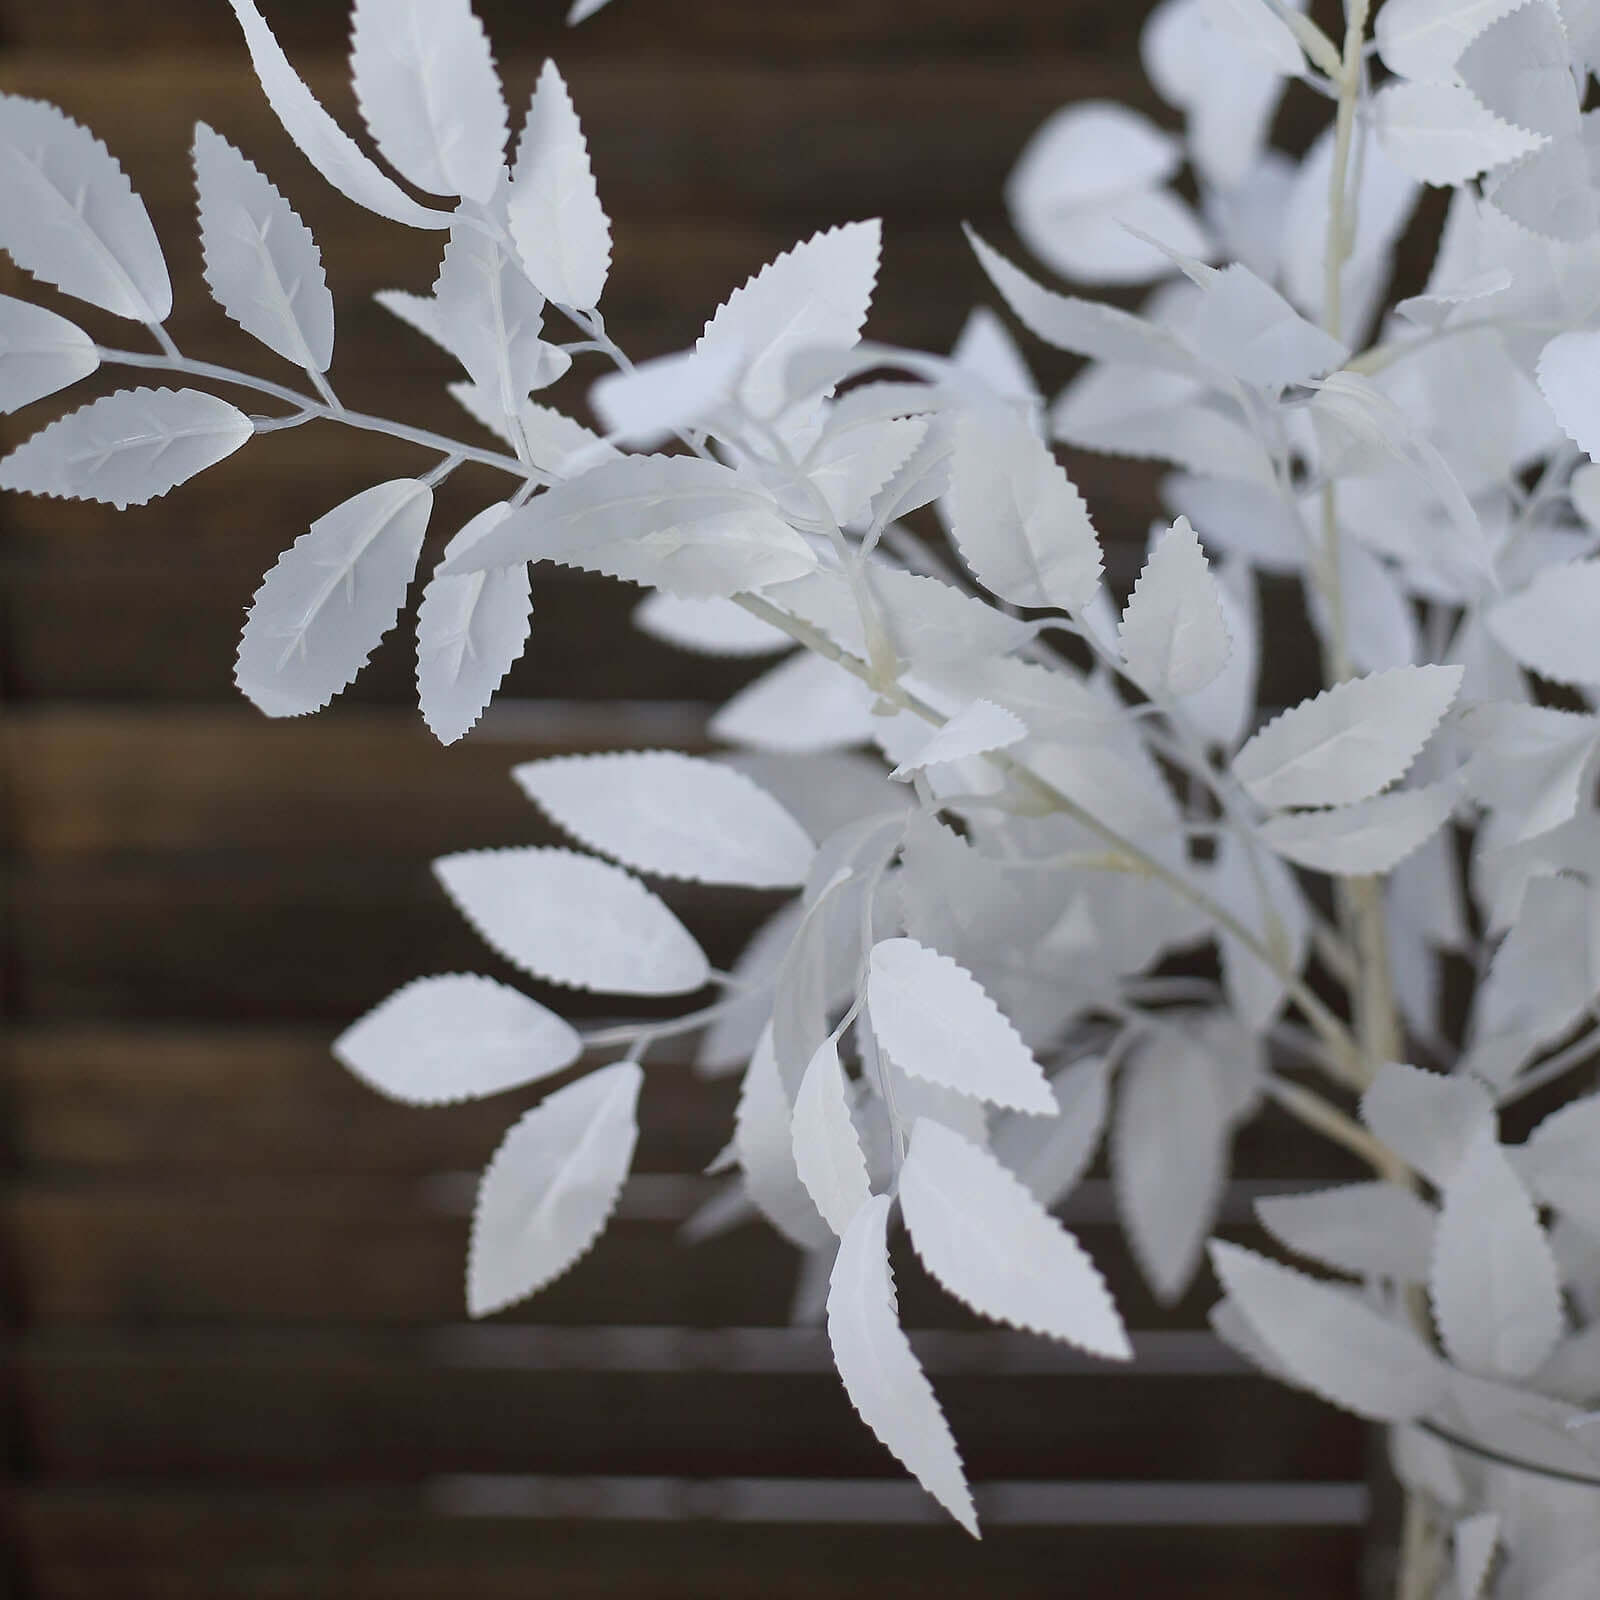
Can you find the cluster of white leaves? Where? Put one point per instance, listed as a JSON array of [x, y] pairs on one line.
[[1001, 797]]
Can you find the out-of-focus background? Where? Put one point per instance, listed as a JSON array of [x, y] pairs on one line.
[[237, 1359]]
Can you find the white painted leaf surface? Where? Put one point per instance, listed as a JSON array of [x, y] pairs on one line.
[[40, 353], [1425, 1118], [553, 1183], [974, 731], [320, 139], [936, 1022], [1569, 378], [712, 627], [1173, 634], [428, 90], [1370, 1229], [261, 263], [1473, 1541], [1018, 521], [128, 448], [573, 920], [1562, 1160], [645, 404], [1494, 1285], [470, 630], [1349, 741], [996, 1249], [1550, 625], [330, 598], [459, 1037], [1169, 1143], [1441, 133], [1424, 38], [1329, 1340], [693, 527], [816, 294], [70, 217], [560, 229], [673, 816], [881, 1374], [1050, 1154], [764, 1145], [1530, 763], [1242, 326], [827, 1148], [731, 1039], [1370, 836], [804, 704], [854, 460], [1263, 895]]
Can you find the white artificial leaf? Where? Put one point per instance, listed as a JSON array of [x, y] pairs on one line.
[[261, 263], [429, 93], [1494, 1284], [1550, 193], [731, 1039], [320, 139], [441, 1040], [1251, 521], [470, 629], [712, 627], [1520, 67], [1440, 133], [692, 527], [1424, 38], [985, 350], [803, 704], [996, 1249], [40, 353], [979, 728], [573, 920], [853, 461], [1369, 1229], [1349, 741], [1261, 892], [1050, 1154], [1330, 1340], [560, 229], [1562, 1160], [1244, 327], [1426, 1119], [70, 217], [1173, 635], [935, 1021], [816, 294], [558, 444], [552, 1185], [1130, 238], [1473, 1540], [827, 1148], [1368, 837], [673, 816], [128, 448], [880, 1373], [1169, 1157], [1016, 518], [764, 1145], [330, 597], [1222, 710], [582, 10], [1530, 763], [419, 311], [1084, 327], [647, 403], [1550, 626]]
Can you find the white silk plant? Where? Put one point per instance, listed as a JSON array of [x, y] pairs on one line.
[[1003, 803]]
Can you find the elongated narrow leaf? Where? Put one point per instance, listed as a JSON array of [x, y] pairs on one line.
[[470, 630], [573, 920], [332, 595], [321, 140], [1441, 133], [937, 1023], [552, 1185], [1050, 1154], [645, 404], [1018, 521], [692, 527], [1330, 1340], [70, 217], [764, 1144], [673, 816], [1425, 1118], [262, 265], [974, 731], [881, 1374], [428, 90], [40, 353], [1244, 327], [1367, 837], [707, 627], [459, 1037], [1550, 626], [129, 448], [1370, 1229], [1494, 1283], [995, 1248], [827, 1148], [561, 232], [1349, 741], [803, 705], [1173, 634]]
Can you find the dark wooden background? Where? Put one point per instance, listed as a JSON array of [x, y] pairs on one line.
[[237, 1359]]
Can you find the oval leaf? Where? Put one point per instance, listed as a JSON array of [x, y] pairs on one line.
[[881, 1375], [129, 448], [1550, 625], [827, 1148], [1173, 634], [329, 599], [262, 265], [764, 1144], [40, 353], [673, 816], [459, 1037], [552, 1185], [573, 920], [1370, 1229], [1368, 837]]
